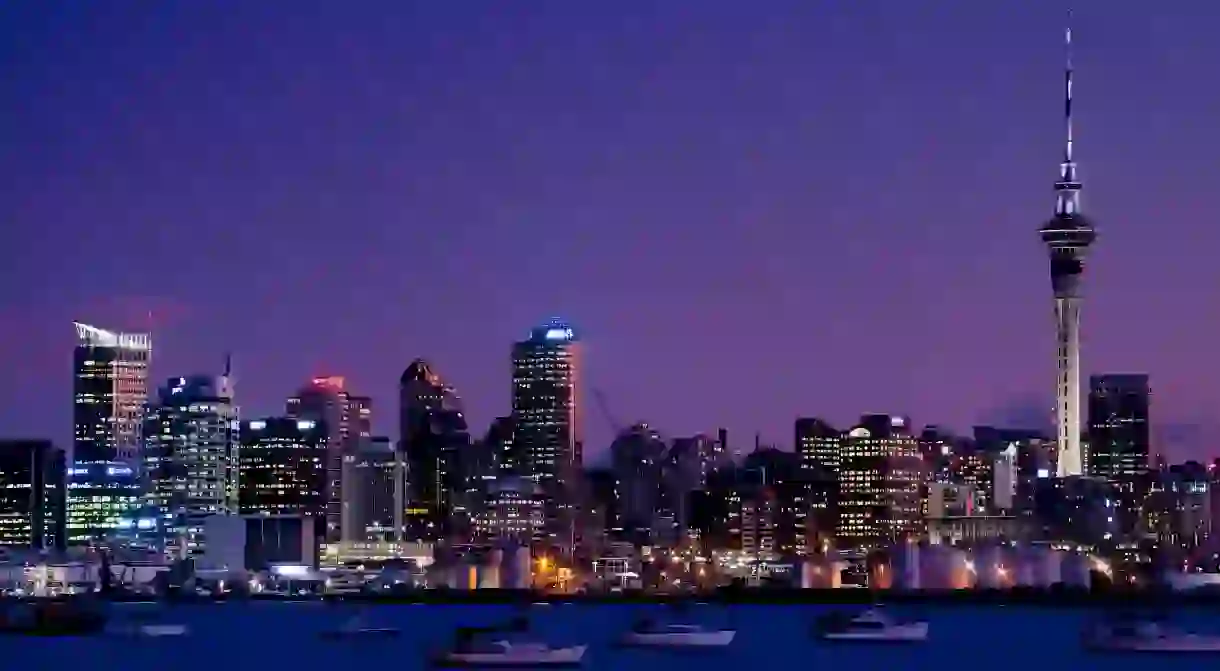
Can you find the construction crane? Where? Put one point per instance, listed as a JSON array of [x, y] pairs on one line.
[[604, 406]]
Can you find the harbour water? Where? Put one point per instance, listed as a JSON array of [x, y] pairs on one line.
[[255, 636]]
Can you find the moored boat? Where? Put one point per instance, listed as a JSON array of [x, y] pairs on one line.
[[872, 626], [53, 617], [505, 654], [1145, 635], [650, 634]]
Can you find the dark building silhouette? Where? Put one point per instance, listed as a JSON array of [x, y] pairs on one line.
[[1120, 442], [32, 494], [547, 414], [1119, 438], [282, 469], [817, 443], [348, 420], [435, 441]]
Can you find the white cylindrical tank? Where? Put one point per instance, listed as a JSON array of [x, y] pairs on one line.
[[904, 565], [1024, 566], [944, 567], [1074, 570], [1048, 568], [991, 568]]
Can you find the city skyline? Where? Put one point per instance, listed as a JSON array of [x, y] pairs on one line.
[[676, 292]]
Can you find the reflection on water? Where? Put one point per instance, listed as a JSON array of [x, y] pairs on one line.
[[248, 636]]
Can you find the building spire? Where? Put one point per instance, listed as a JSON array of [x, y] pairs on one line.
[[1067, 189]]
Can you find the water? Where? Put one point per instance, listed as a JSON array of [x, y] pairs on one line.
[[254, 636]]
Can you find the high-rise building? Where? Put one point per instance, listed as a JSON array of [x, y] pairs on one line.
[[32, 494], [190, 457], [1067, 237], [348, 418], [374, 492], [282, 468], [546, 410], [546, 370], [1118, 426], [880, 478], [435, 440], [817, 442], [102, 496], [110, 388]]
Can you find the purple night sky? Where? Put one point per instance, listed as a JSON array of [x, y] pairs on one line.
[[823, 208]]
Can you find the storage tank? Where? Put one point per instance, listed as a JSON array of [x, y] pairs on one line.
[[1024, 569], [944, 567], [1048, 568], [993, 568], [1074, 570], [905, 566]]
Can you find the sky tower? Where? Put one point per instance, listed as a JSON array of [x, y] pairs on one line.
[[1067, 236]]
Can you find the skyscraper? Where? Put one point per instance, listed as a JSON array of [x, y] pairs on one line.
[[282, 468], [546, 411], [434, 439], [1067, 236], [190, 457], [31, 494], [880, 477], [110, 388], [348, 418], [1118, 426]]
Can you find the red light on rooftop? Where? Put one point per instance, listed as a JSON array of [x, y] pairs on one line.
[[332, 381]]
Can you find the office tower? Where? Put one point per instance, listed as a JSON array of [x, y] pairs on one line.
[[348, 418], [817, 442], [512, 511], [546, 370], [190, 457], [546, 408], [374, 492], [637, 458], [110, 388], [880, 478], [32, 499], [501, 442], [1119, 442], [434, 439], [1118, 425], [774, 499], [282, 467], [1067, 237]]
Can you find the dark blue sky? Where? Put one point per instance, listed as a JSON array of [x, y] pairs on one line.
[[750, 210]]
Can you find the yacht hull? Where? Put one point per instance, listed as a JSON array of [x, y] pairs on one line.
[[911, 632], [694, 639], [530, 659]]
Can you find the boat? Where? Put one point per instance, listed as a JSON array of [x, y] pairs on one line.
[[54, 617], [354, 629], [1147, 635], [489, 647], [872, 625], [504, 654], [649, 634], [162, 630]]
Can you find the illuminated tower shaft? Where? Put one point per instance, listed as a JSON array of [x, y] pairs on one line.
[[1067, 237]]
